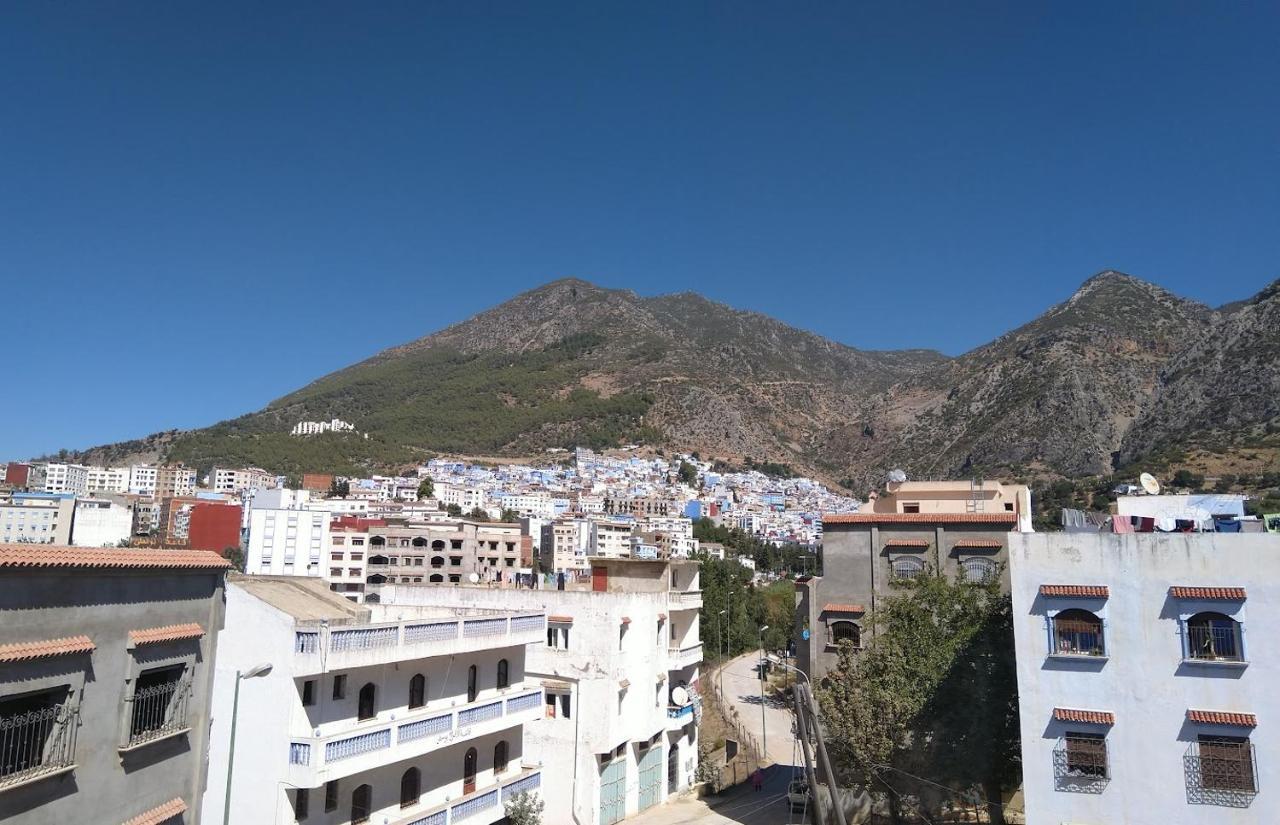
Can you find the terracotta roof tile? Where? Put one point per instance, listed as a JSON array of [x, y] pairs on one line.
[[842, 608], [169, 633], [46, 555], [906, 542], [1075, 591], [560, 619], [160, 813], [1092, 717], [1233, 594], [920, 518], [1219, 717], [992, 543], [25, 651]]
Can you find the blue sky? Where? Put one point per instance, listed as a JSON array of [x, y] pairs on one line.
[[204, 206]]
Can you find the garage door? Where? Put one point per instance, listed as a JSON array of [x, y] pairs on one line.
[[613, 792], [651, 777]]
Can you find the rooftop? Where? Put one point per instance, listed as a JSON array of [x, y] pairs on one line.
[[920, 518], [45, 555], [306, 599]]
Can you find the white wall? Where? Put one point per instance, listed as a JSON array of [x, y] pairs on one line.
[[288, 542], [1144, 680], [99, 523]]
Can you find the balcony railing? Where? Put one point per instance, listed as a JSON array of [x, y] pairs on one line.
[[159, 711], [680, 714], [37, 743], [1080, 764], [483, 799], [1213, 643], [681, 599], [309, 643], [1221, 773], [685, 656]]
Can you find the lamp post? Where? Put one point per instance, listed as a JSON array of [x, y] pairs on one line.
[[253, 672], [764, 730], [720, 644]]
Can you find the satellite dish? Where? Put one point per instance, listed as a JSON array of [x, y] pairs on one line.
[[897, 476], [1149, 484], [473, 578], [679, 696]]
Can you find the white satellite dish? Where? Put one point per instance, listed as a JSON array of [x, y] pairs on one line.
[[679, 696], [897, 476], [473, 578], [1149, 484]]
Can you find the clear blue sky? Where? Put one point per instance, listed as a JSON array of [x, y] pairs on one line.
[[204, 206]]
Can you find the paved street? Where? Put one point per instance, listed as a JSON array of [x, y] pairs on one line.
[[742, 690]]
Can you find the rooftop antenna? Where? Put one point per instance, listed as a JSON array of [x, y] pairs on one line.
[[1149, 484]]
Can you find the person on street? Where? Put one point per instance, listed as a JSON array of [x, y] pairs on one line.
[[757, 779]]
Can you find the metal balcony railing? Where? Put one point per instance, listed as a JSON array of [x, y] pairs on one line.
[[37, 742], [1080, 764], [1223, 773], [1213, 642], [159, 710]]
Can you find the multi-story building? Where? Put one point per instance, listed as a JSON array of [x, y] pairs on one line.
[[175, 480], [106, 660], [564, 546], [66, 478], [372, 713], [673, 535], [1146, 676], [37, 518], [636, 506], [214, 525], [143, 479], [349, 555], [107, 479], [467, 498], [620, 669], [444, 553], [287, 542], [609, 538], [102, 522], [227, 480]]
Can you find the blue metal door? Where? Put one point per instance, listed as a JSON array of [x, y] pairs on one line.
[[613, 792], [651, 777]]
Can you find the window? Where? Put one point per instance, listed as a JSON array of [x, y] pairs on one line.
[[978, 570], [455, 561], [1214, 637], [1086, 754], [437, 579], [558, 637], [361, 804], [331, 795], [511, 562], [367, 708], [301, 803], [340, 686], [1077, 633], [1226, 764], [437, 561], [417, 691], [844, 631], [551, 705], [469, 771], [37, 734], [911, 507], [473, 689], [410, 788], [159, 704], [500, 757], [308, 693], [335, 572], [454, 578], [504, 673], [907, 568]]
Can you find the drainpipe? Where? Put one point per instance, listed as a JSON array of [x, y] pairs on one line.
[[577, 743]]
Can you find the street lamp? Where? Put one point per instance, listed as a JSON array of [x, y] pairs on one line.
[[764, 730], [720, 643], [253, 672]]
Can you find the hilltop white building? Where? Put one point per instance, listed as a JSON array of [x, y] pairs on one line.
[[1146, 676], [390, 715]]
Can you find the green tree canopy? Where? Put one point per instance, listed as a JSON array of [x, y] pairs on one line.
[[426, 489]]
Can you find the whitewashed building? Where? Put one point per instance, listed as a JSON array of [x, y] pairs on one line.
[[238, 480], [620, 667], [107, 479], [143, 479], [1147, 676], [101, 522], [66, 478], [37, 518], [389, 715], [609, 538], [287, 542]]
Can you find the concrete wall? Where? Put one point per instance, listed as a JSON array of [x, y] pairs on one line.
[[101, 523], [108, 786], [1144, 680]]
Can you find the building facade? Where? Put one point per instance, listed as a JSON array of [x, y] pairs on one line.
[[102, 522], [450, 552], [174, 480], [106, 664], [287, 542], [1146, 678], [370, 714], [37, 518], [107, 479], [66, 478], [237, 480]]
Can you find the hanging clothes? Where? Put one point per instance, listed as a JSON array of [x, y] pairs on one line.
[[1121, 524], [1223, 525]]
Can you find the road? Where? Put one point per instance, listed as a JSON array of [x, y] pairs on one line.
[[774, 730]]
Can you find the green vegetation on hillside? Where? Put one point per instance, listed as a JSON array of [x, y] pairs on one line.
[[789, 558], [726, 586]]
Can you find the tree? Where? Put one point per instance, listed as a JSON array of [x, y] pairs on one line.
[[524, 809], [509, 516], [688, 473], [339, 489], [933, 695], [478, 514], [1187, 479], [236, 556], [454, 510], [426, 489]]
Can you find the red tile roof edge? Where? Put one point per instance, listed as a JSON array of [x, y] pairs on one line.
[[1076, 591], [169, 633], [920, 518], [1220, 717], [560, 619], [26, 651], [46, 555], [906, 543], [160, 813], [1232, 594], [842, 608], [1092, 717], [978, 543]]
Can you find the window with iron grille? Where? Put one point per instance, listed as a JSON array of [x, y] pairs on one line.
[[1080, 762], [1214, 637], [1078, 632], [37, 735], [1221, 770], [844, 630], [159, 704], [907, 568], [978, 569]]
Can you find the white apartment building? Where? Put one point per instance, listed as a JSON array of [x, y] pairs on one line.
[[1146, 676], [536, 503], [619, 666], [610, 539], [101, 522], [66, 478], [395, 715], [564, 546], [334, 425], [468, 498], [238, 480], [107, 479], [345, 569], [37, 518], [672, 534], [142, 480], [288, 542]]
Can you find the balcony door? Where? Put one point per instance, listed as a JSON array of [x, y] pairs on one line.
[[469, 772], [367, 695]]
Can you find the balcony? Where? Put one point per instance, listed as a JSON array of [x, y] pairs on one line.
[[682, 657], [337, 647], [685, 599], [679, 716], [38, 743], [492, 797], [314, 760]]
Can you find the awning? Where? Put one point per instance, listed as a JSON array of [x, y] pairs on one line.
[[1092, 717], [624, 684], [170, 633], [1075, 591], [25, 651], [992, 544], [1219, 717], [160, 813], [560, 619], [843, 608], [1227, 594]]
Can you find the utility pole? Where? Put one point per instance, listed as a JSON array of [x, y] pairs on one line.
[[824, 761], [802, 732]]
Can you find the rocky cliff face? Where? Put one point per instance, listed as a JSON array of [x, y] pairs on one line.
[[1121, 368]]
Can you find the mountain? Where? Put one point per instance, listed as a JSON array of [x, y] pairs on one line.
[[1121, 369]]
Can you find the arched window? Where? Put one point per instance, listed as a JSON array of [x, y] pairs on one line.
[[504, 673], [377, 541], [410, 788], [978, 570], [1078, 632], [844, 631], [473, 689], [376, 578], [500, 757], [437, 579], [367, 706], [361, 804], [417, 691], [907, 568], [372, 598], [469, 771], [419, 542], [377, 560], [1213, 636], [437, 561], [437, 545]]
